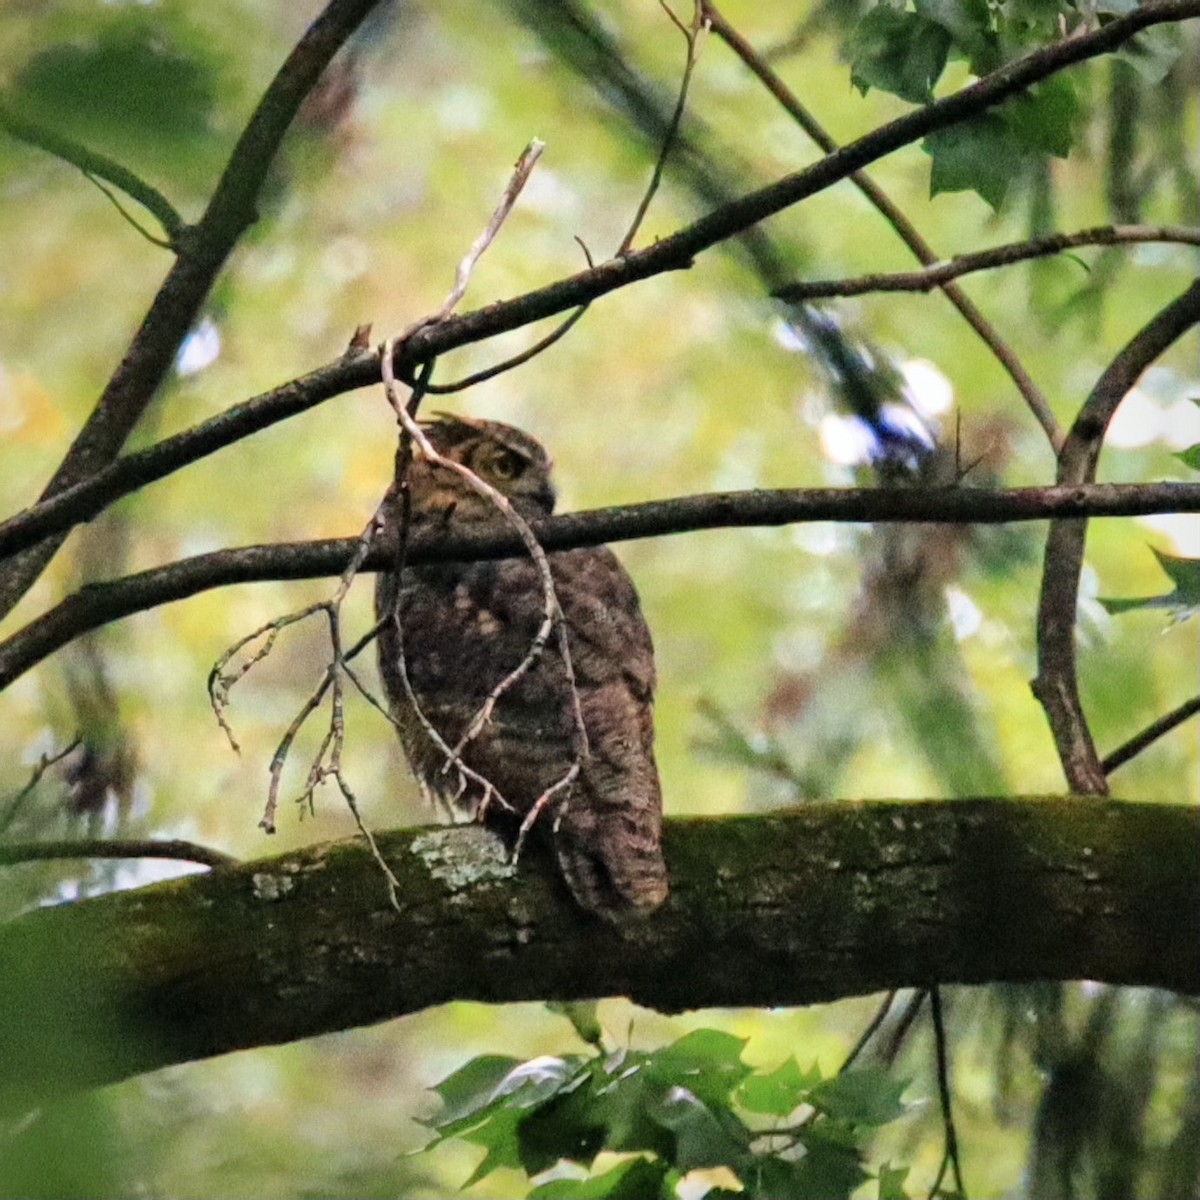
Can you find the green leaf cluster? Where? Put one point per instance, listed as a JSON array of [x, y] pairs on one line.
[[692, 1105], [905, 51]]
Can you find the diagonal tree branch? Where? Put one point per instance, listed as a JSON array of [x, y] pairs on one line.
[[819, 903], [1129, 750], [99, 603], [1057, 683], [90, 497], [202, 251]]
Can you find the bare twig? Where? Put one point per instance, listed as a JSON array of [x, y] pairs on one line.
[[1148, 736], [23, 852], [517, 360], [522, 169], [871, 1028], [693, 34], [869, 1032], [488, 793], [327, 762], [941, 1050], [552, 616], [11, 806], [899, 1032], [906, 230], [937, 274], [1057, 684], [221, 681], [98, 167], [98, 604], [111, 196]]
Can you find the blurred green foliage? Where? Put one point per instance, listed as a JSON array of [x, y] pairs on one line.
[[840, 662]]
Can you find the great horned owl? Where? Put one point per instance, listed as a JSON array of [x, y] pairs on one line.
[[465, 626]]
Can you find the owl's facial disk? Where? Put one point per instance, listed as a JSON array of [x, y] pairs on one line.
[[513, 463], [514, 474]]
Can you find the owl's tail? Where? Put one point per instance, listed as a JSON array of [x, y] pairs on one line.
[[612, 860]]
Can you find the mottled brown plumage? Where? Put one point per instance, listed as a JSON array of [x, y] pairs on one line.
[[465, 626]]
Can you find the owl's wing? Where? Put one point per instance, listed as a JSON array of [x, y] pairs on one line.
[[609, 636], [608, 835]]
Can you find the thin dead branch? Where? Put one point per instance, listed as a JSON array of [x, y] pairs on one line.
[[221, 679], [693, 34], [522, 169], [12, 806]]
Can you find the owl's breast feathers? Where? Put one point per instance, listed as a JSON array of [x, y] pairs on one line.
[[465, 627]]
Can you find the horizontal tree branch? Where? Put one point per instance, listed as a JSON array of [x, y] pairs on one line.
[[98, 604], [938, 274], [800, 907], [360, 367]]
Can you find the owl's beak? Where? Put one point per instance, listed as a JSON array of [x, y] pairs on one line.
[[546, 496]]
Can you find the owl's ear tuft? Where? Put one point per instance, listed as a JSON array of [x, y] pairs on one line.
[[446, 431]]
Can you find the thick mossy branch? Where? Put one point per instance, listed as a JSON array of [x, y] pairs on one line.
[[809, 905]]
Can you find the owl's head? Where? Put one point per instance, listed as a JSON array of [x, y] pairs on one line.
[[514, 464]]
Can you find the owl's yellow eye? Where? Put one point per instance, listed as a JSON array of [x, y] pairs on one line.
[[507, 465]]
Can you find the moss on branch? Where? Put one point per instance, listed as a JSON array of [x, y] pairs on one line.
[[794, 907]]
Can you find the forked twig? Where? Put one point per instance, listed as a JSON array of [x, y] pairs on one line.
[[221, 681], [327, 762], [11, 806]]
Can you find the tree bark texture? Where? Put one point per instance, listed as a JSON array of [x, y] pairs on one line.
[[796, 907]]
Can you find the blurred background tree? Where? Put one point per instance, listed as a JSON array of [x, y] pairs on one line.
[[802, 663]]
